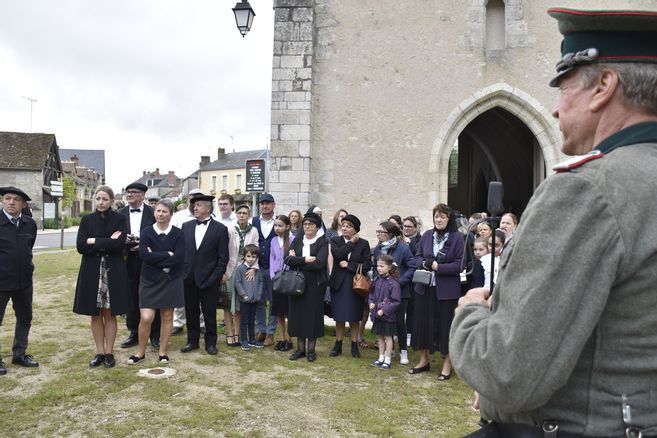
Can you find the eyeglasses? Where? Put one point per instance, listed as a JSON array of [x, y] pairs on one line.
[[308, 224], [408, 226], [133, 192]]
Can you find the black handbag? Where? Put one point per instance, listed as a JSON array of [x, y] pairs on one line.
[[289, 282], [421, 276]]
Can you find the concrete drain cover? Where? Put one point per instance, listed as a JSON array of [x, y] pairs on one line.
[[157, 373]]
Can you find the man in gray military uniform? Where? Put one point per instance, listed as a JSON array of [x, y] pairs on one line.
[[567, 345]]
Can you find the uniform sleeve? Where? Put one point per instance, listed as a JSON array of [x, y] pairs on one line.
[[454, 266], [408, 261], [109, 245], [552, 289]]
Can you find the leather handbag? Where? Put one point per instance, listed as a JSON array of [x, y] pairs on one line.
[[289, 282], [420, 276], [361, 283]]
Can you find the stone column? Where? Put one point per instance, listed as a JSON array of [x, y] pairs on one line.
[[291, 104]]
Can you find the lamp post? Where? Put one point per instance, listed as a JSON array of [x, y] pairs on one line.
[[243, 16], [31, 102]]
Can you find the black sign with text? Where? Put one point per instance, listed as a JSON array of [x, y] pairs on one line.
[[255, 175]]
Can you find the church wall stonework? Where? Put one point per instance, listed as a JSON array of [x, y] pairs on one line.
[[368, 97]]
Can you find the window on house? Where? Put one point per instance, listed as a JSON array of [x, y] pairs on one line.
[[495, 25], [224, 182], [453, 167], [238, 181], [214, 182]]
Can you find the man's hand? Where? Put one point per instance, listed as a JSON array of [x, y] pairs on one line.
[[344, 264], [250, 274], [478, 295]]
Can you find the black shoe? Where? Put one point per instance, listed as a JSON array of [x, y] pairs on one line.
[[337, 349], [189, 347], [109, 361], [133, 360], [312, 356], [298, 355], [97, 360], [155, 343], [3, 370], [176, 331], [354, 349], [279, 345], [212, 349], [25, 361], [130, 341], [287, 346]]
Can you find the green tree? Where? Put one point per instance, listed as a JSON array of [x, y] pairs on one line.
[[69, 192]]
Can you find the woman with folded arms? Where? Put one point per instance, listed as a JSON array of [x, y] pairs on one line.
[[162, 251], [102, 287]]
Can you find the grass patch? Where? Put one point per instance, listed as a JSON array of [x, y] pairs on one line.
[[255, 393]]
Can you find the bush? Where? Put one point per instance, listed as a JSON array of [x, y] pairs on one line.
[[53, 224]]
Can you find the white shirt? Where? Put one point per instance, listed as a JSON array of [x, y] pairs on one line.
[[200, 231], [180, 217], [266, 226], [228, 221], [158, 231], [305, 251], [135, 219]]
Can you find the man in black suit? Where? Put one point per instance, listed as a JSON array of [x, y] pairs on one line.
[[139, 215], [206, 257], [17, 236]]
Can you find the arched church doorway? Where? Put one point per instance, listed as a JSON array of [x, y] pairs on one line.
[[494, 146]]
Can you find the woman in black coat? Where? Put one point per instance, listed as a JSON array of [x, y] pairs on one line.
[[308, 253], [102, 288], [349, 252]]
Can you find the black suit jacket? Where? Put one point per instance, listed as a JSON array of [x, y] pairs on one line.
[[147, 219], [16, 244], [206, 265], [360, 254]]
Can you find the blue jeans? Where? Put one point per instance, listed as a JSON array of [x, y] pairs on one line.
[[267, 326], [247, 323]]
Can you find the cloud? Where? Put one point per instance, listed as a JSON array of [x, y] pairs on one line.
[[156, 82]]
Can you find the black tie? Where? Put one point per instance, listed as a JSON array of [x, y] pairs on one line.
[[198, 222], [135, 210], [163, 236], [14, 221]]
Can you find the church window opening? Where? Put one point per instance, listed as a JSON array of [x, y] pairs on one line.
[[453, 168], [495, 25]]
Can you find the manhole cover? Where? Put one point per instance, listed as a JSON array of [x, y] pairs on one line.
[[157, 373]]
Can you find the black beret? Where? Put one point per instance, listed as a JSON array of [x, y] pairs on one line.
[[353, 220], [137, 186], [314, 218], [15, 191]]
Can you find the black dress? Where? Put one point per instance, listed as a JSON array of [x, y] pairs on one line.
[[101, 227], [345, 304], [306, 312]]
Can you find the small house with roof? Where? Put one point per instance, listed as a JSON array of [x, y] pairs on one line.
[[30, 161]]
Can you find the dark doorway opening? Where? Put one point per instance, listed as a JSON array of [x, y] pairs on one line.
[[495, 146]]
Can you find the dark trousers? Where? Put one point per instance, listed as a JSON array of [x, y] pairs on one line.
[[21, 301], [207, 298], [401, 324], [247, 323], [133, 316]]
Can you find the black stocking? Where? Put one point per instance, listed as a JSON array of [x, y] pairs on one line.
[[311, 345], [301, 344]]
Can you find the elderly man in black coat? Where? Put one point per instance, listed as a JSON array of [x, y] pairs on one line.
[[139, 215], [17, 236], [206, 257]]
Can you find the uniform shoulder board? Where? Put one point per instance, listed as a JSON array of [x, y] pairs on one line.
[[576, 161]]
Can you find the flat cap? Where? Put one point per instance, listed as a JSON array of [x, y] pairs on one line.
[[137, 186], [266, 197], [15, 191], [604, 36]]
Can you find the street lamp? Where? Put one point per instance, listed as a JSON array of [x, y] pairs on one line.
[[243, 16]]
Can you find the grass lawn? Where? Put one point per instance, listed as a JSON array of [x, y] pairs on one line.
[[236, 393]]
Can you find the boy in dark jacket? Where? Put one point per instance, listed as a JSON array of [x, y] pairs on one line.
[[250, 294]]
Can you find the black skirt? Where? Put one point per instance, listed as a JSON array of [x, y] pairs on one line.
[[279, 305], [424, 311], [384, 328], [163, 293]]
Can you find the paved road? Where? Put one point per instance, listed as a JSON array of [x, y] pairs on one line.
[[51, 240]]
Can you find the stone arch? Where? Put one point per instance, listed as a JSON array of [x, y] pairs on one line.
[[529, 110]]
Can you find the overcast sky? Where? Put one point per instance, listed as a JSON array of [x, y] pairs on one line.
[[155, 83]]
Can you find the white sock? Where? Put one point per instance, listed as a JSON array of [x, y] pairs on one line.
[[380, 358], [388, 359]]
